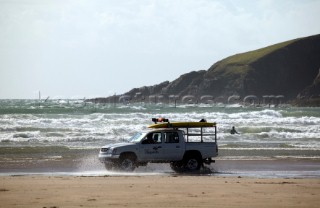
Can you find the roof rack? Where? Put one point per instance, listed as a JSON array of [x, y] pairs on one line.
[[164, 123]]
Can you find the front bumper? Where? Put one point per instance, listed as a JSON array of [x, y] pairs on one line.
[[108, 157]]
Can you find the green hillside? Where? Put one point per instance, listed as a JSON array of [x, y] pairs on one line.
[[240, 63], [282, 69], [252, 56]]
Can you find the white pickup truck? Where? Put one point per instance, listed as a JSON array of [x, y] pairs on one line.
[[167, 143]]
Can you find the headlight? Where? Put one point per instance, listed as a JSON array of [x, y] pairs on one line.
[[104, 149], [109, 150]]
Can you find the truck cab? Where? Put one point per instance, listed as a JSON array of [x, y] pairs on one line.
[[162, 145]]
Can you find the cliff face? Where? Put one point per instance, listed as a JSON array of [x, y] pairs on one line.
[[282, 69], [289, 69]]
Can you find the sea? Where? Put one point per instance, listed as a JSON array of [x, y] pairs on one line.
[[54, 135]]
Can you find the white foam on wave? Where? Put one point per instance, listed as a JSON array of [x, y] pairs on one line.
[[255, 125], [264, 114]]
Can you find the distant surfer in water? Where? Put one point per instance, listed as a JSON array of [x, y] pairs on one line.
[[233, 131]]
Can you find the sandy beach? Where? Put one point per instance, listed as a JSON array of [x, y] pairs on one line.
[[79, 180], [157, 191]]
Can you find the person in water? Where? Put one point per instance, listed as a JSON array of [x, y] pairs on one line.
[[233, 131]]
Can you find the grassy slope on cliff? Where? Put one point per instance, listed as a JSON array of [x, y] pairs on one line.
[[240, 63], [284, 68]]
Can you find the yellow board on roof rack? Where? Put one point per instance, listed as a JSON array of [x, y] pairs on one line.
[[182, 125]]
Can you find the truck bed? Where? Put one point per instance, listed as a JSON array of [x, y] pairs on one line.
[[207, 149]]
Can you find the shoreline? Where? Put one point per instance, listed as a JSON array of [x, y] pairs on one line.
[[276, 168], [157, 191]]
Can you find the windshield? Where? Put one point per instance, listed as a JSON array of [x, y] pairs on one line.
[[137, 137]]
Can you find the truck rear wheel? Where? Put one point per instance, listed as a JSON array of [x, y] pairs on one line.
[[192, 163]]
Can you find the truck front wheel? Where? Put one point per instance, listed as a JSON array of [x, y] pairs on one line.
[[127, 163]]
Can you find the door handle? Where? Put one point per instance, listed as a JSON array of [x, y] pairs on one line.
[[155, 148], [177, 146]]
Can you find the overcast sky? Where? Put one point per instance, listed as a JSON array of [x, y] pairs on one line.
[[91, 48]]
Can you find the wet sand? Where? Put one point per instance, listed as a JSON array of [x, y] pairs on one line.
[[90, 166], [157, 191]]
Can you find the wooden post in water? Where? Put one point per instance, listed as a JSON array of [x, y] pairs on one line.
[[39, 99]]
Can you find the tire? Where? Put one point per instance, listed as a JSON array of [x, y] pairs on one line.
[[192, 163], [127, 163]]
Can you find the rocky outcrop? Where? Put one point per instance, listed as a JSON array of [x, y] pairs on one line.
[[310, 96]]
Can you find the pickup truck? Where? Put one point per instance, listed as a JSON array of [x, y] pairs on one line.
[[164, 145]]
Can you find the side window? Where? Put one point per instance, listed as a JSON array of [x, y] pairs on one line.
[[157, 137], [171, 137], [152, 138]]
